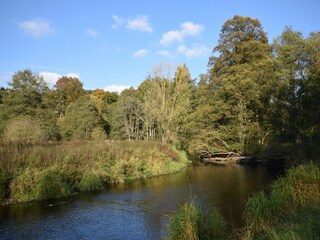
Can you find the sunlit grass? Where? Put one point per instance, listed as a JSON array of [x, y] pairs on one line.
[[50, 170], [292, 211], [189, 222]]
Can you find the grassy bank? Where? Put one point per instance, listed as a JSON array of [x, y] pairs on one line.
[[37, 172], [290, 211]]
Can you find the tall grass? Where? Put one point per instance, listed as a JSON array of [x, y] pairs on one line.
[[291, 211], [51, 170], [193, 224]]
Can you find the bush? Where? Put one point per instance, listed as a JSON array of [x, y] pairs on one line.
[[41, 184], [4, 181], [53, 183], [89, 181], [23, 130]]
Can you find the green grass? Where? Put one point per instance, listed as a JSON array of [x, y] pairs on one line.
[[292, 211], [189, 222], [51, 170]]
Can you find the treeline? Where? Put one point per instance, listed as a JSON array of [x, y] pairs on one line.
[[256, 96]]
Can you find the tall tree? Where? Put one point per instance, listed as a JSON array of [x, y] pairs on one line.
[[311, 88], [168, 99], [68, 90], [242, 79], [129, 115], [71, 87], [286, 118], [26, 94], [81, 118]]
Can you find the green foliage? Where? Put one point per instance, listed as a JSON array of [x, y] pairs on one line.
[[53, 183], [90, 181], [70, 87], [80, 119], [190, 223], [4, 182], [41, 184], [24, 130]]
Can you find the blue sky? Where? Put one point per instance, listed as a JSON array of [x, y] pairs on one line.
[[117, 42]]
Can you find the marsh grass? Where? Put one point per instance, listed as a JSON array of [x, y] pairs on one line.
[[189, 222], [291, 211], [53, 170]]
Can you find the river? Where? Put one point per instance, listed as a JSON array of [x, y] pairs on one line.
[[139, 210]]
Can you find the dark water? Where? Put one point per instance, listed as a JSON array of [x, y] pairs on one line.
[[138, 210]]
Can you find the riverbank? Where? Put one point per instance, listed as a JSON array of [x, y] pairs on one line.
[[54, 170], [290, 211]]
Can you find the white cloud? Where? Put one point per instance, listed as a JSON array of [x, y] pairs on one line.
[[51, 77], [163, 53], [170, 37], [186, 29], [91, 32], [190, 29], [140, 53], [197, 50], [118, 21], [73, 75], [36, 28], [138, 23], [116, 88]]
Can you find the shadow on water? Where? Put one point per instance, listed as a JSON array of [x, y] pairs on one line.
[[138, 210]]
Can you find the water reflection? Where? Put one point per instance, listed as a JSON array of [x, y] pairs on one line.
[[138, 210]]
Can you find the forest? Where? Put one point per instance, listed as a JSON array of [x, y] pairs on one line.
[[257, 98]]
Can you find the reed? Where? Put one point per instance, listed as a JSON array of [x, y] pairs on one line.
[[292, 209], [53, 170], [189, 222]]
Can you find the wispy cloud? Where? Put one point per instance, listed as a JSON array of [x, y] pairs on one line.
[[91, 32], [140, 53], [52, 77], [36, 27], [116, 88], [197, 50], [163, 53], [118, 21], [186, 29], [138, 23]]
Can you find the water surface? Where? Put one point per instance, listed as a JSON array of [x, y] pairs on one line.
[[139, 210]]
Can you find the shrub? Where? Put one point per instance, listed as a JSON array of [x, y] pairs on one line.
[[53, 183], [89, 181], [23, 186], [98, 134], [23, 130], [4, 180], [41, 184]]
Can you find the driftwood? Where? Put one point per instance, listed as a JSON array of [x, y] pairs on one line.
[[224, 158]]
